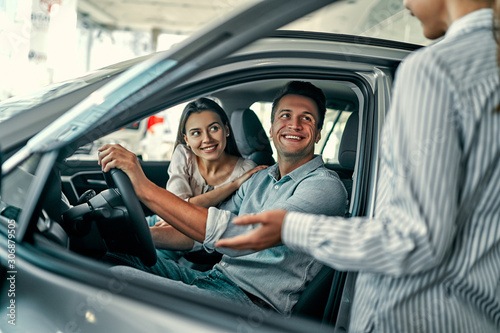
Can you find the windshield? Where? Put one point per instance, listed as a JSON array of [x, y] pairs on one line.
[[16, 105], [15, 189]]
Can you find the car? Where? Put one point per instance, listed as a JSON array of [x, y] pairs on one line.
[[53, 278]]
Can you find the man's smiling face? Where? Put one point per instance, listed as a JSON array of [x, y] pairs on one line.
[[295, 128]]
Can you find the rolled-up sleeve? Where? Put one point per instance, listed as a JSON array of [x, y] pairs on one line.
[[217, 222], [220, 224]]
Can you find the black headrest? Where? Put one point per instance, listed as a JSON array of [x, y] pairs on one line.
[[349, 142], [251, 138]]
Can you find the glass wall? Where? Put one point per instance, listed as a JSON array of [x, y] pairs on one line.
[[48, 41]]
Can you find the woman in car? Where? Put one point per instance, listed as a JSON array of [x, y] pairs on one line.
[[206, 166]]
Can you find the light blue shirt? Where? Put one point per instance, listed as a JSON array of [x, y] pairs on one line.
[[277, 275], [424, 265]]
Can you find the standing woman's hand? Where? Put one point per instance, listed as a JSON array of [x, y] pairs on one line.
[[267, 235]]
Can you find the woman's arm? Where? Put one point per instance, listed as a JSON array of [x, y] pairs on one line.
[[180, 172], [214, 197]]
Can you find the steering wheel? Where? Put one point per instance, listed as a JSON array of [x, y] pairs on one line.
[[138, 240]]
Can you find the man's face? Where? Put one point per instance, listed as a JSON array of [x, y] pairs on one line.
[[294, 129], [432, 16]]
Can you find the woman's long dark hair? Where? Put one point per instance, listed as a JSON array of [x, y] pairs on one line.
[[198, 106]]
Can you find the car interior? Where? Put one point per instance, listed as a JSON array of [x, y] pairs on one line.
[[94, 206], [251, 138]]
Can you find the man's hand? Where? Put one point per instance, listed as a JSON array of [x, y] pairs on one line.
[[267, 235], [115, 156]]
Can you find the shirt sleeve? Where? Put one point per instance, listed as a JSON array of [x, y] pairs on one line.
[[417, 190], [180, 173]]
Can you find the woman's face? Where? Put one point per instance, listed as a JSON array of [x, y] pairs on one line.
[[206, 135], [432, 15]]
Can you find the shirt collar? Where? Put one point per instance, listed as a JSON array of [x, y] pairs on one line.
[[300, 172], [479, 19]]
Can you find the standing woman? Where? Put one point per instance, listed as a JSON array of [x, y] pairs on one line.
[[429, 258]]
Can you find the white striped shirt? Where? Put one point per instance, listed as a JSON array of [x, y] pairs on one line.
[[425, 265]]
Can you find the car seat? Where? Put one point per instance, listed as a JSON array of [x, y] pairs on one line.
[[251, 138], [347, 149]]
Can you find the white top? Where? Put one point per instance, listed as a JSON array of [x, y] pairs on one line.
[[185, 179]]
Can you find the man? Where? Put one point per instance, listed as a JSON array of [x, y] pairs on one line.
[[429, 259], [298, 182]]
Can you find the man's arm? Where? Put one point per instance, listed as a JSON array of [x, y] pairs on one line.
[[166, 237], [183, 216]]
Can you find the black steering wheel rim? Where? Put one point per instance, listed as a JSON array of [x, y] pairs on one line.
[[136, 223]]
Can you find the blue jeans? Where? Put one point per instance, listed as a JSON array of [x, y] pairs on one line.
[[166, 272]]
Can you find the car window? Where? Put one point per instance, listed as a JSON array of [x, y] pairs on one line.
[[331, 133], [152, 138], [15, 189]]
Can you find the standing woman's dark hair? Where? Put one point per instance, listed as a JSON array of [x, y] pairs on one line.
[[198, 106]]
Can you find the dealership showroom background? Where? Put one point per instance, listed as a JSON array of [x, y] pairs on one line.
[[48, 41]]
